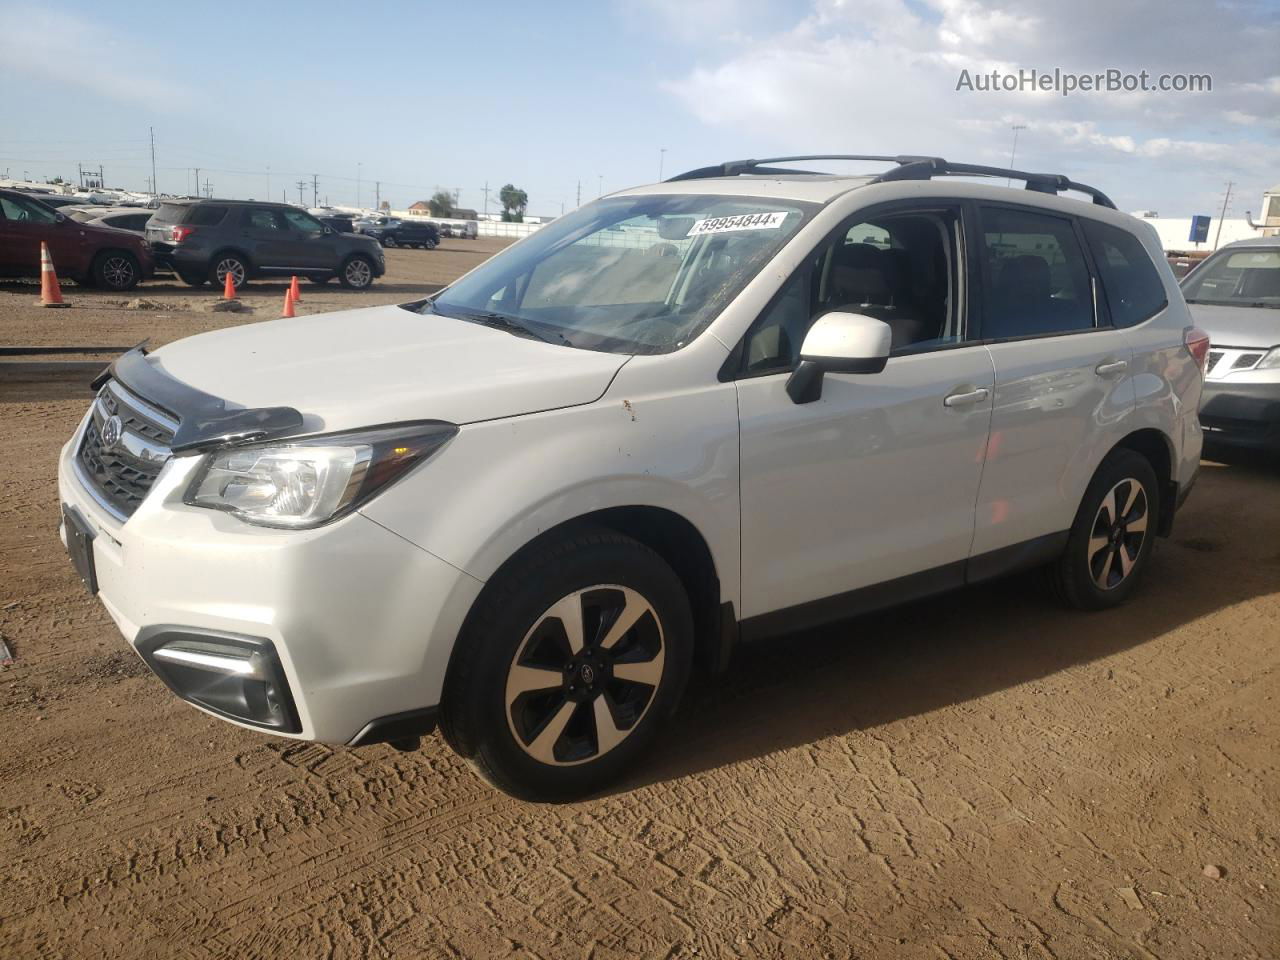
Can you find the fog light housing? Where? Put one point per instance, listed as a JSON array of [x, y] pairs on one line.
[[233, 676]]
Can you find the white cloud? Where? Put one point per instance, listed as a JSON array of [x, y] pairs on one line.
[[879, 76], [66, 50]]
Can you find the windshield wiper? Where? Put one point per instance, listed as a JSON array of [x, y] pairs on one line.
[[502, 321]]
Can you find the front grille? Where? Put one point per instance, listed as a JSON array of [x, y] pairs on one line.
[[1214, 357], [122, 474]]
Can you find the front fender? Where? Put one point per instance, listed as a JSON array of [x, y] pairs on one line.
[[500, 484]]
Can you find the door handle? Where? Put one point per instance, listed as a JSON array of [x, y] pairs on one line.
[[966, 398], [1108, 367]]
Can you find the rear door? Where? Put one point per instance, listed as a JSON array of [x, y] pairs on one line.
[[268, 239], [1064, 391]]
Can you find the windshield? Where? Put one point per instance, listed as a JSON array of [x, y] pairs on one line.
[[1249, 277], [627, 274]]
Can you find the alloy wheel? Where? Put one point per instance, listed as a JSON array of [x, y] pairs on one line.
[[358, 273], [118, 272], [232, 266], [584, 675], [1118, 533]]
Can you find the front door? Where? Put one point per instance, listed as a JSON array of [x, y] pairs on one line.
[[873, 484], [25, 226], [1063, 381], [309, 246]]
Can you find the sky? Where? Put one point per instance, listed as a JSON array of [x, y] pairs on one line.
[[567, 100]]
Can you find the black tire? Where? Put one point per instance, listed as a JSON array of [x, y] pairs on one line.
[[115, 270], [353, 276], [1109, 546], [224, 262], [389, 241], [191, 279], [514, 624], [431, 244]]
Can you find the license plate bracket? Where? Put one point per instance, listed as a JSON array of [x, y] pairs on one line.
[[80, 546]]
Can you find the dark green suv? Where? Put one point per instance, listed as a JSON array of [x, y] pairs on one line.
[[205, 240]]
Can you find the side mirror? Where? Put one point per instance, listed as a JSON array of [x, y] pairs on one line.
[[60, 218], [839, 343], [328, 231]]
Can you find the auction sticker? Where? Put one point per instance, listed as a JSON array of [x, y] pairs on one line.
[[743, 221]]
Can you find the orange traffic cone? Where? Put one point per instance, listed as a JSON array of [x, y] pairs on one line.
[[50, 292], [294, 291], [288, 305], [229, 288]]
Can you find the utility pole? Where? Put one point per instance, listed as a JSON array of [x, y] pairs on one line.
[[377, 194], [315, 189], [662, 156], [1014, 152], [358, 166], [578, 202], [267, 195], [197, 190], [600, 192], [301, 184], [1226, 198], [208, 188], [486, 199], [154, 189]]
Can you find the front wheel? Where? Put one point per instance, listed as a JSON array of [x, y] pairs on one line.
[[356, 273], [569, 666], [116, 270], [1111, 539], [388, 241]]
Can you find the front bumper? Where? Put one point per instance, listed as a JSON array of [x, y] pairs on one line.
[[1241, 414], [361, 621]]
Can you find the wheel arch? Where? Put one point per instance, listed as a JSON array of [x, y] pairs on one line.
[[679, 543], [1158, 449]]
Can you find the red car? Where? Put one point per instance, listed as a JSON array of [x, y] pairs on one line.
[[100, 256]]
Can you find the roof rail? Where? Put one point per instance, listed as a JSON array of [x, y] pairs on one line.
[[734, 168], [907, 167], [925, 168]]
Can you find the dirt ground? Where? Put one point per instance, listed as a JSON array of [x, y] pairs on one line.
[[977, 776]]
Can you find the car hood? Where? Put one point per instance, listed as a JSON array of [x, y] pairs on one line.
[[1238, 326], [358, 368]]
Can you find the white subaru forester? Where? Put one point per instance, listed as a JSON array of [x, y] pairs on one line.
[[733, 405]]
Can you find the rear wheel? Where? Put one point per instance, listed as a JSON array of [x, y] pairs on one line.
[[116, 270], [356, 273], [1111, 539], [575, 657], [388, 241], [231, 263]]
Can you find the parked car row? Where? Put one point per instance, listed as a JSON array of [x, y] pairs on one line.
[[394, 232], [205, 240]]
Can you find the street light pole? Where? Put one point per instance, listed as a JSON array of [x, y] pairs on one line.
[[662, 156], [1014, 152]]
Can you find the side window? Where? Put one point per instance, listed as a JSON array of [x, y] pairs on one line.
[[206, 215], [1037, 278], [24, 211], [901, 268], [302, 222], [256, 218], [1133, 288]]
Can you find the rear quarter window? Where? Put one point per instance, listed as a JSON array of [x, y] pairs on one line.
[[1129, 279], [206, 215], [170, 212]]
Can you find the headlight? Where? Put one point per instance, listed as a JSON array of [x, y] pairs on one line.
[[311, 481], [1270, 361]]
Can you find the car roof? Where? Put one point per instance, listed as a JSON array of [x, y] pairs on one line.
[[1253, 242]]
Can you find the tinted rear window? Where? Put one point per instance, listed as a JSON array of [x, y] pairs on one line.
[[170, 212], [206, 215], [1133, 288]]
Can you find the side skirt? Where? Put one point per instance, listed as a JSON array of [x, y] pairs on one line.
[[915, 586]]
